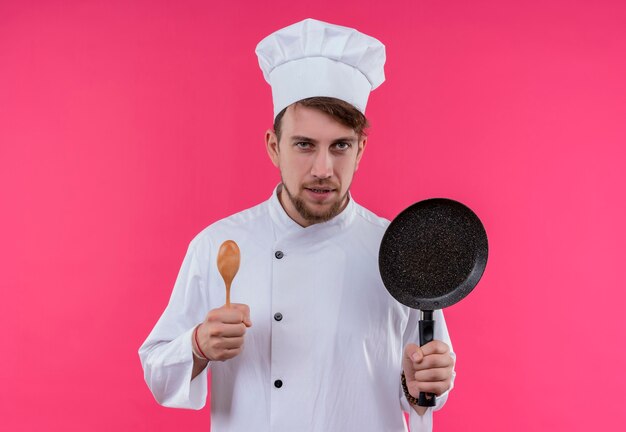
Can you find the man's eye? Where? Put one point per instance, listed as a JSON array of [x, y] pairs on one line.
[[303, 145], [342, 145]]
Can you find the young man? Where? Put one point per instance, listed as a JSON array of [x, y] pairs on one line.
[[319, 344]]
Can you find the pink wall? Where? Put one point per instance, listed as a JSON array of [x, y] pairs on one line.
[[126, 127]]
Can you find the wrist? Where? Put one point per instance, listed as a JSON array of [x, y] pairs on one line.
[[409, 397], [195, 346]]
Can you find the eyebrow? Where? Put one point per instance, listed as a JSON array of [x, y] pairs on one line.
[[314, 141]]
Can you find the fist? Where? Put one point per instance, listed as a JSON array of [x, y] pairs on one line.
[[428, 368], [220, 336]]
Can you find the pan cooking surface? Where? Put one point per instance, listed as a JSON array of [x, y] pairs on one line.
[[433, 254]]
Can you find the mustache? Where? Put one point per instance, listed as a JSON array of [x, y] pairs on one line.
[[321, 184]]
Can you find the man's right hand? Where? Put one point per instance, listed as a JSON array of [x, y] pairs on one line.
[[220, 336]]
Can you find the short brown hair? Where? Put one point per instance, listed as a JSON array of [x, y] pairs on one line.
[[342, 111]]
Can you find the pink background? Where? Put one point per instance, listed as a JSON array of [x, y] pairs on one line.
[[127, 127]]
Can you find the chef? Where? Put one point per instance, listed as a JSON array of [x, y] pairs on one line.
[[313, 341]]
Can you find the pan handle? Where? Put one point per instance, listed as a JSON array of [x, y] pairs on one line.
[[427, 331]]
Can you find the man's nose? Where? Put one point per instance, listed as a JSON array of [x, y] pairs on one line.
[[322, 165]]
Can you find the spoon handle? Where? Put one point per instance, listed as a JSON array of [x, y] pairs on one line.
[[227, 294]]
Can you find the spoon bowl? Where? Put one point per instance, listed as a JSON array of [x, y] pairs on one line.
[[228, 258]]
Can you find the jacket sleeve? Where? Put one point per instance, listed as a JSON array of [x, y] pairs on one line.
[[424, 423], [166, 355]]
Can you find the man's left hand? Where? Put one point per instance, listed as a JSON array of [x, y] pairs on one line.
[[428, 368]]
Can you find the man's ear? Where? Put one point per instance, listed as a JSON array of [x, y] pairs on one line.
[[360, 151], [271, 144]]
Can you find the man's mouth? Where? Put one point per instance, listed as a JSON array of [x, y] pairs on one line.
[[320, 190]]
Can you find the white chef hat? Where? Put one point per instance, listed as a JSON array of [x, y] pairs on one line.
[[314, 58]]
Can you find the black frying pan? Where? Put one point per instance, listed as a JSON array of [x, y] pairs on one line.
[[431, 256]]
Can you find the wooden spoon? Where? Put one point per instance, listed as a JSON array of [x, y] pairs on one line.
[[228, 263]]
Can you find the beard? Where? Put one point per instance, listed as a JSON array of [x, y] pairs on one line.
[[309, 214]]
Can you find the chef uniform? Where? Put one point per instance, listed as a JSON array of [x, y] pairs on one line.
[[325, 349]]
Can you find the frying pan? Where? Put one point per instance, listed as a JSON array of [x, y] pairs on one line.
[[431, 256]]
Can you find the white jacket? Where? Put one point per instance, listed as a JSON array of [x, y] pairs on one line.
[[337, 349]]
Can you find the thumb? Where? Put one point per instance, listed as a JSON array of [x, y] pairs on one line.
[[245, 310], [412, 357], [413, 353], [246, 321]]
